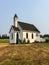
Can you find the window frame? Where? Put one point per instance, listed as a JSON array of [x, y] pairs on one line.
[[37, 34], [11, 35], [27, 35], [32, 36]]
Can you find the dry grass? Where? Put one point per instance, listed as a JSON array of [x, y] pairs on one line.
[[25, 54]]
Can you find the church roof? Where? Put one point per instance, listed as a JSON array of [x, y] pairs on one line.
[[27, 26], [15, 28]]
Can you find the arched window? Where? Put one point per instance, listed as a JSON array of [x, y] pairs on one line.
[[32, 35], [37, 34], [11, 35], [26, 35]]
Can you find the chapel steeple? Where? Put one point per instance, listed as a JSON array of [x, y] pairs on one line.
[[15, 20]]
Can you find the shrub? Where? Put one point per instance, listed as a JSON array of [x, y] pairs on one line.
[[24, 41], [19, 41], [47, 40], [28, 41], [36, 41]]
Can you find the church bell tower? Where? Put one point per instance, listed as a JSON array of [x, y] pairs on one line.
[[15, 20]]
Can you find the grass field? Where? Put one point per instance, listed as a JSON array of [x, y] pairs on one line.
[[25, 54], [4, 40]]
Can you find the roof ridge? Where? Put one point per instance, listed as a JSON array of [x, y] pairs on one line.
[[28, 26], [25, 23]]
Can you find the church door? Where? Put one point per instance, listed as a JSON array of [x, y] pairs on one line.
[[17, 38]]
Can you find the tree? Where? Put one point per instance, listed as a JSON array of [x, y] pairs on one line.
[[4, 36], [46, 35], [0, 36]]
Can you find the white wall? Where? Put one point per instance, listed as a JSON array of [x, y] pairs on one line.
[[21, 33], [15, 33], [30, 36], [14, 36], [16, 22], [37, 38], [12, 40]]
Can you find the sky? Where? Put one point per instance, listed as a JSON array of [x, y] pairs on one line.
[[30, 11]]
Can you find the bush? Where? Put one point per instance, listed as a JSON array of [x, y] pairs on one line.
[[36, 41], [47, 40], [24, 41], [28, 41], [19, 41]]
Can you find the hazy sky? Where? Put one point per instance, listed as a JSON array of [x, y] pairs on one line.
[[31, 11]]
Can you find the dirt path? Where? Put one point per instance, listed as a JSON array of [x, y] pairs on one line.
[[3, 45]]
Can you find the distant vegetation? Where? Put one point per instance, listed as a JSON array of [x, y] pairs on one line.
[[4, 36], [45, 36]]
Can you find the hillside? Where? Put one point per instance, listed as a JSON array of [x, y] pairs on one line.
[[25, 54]]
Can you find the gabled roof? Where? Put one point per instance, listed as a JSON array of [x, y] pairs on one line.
[[27, 26], [15, 28]]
